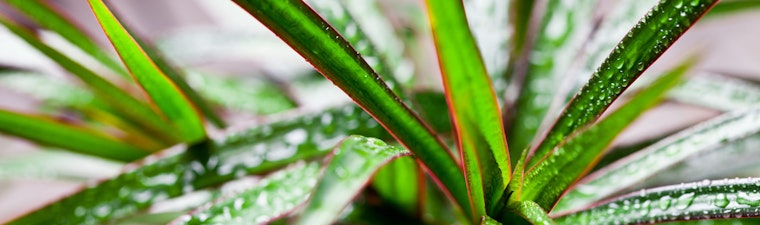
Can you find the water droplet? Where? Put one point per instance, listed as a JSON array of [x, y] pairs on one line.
[[685, 200], [721, 201], [664, 203]]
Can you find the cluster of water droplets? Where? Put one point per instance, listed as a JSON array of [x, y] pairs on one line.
[[727, 198]]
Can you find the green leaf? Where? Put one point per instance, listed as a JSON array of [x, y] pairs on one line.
[[638, 50], [343, 22], [562, 31], [728, 7], [353, 164], [717, 92], [59, 165], [132, 108], [660, 156], [401, 184], [474, 108], [546, 182], [707, 199], [163, 92], [47, 131], [532, 212], [327, 51], [247, 94], [273, 197], [52, 91], [179, 170], [488, 221], [47, 17]]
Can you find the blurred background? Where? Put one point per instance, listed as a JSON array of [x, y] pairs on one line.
[[218, 38]]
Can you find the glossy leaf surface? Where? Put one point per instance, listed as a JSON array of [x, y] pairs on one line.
[[274, 196], [546, 182], [638, 50], [74, 138], [660, 156], [49, 18], [532, 212], [327, 51], [717, 199], [173, 173], [473, 106], [354, 162], [164, 93]]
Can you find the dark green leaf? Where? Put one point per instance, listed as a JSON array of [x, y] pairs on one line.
[[660, 156], [401, 183], [717, 92], [173, 173], [728, 7], [49, 18], [532, 212], [327, 51], [638, 50], [163, 92], [707, 199], [74, 138], [545, 182], [474, 108], [351, 167], [489, 221]]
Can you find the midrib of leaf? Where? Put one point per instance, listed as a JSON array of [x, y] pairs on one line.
[[563, 30], [48, 17], [707, 199], [474, 108], [132, 108], [327, 51], [350, 169], [546, 182], [180, 170], [638, 50], [74, 138], [163, 92], [661, 155]]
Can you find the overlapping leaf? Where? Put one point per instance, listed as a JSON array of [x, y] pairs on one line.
[[659, 29], [329, 53], [164, 93], [717, 199]]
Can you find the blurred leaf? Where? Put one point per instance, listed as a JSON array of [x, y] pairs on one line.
[[728, 7], [532, 212], [474, 108], [241, 93], [707, 199], [432, 108], [660, 156], [522, 11], [47, 131], [48, 17], [489, 23], [132, 108], [59, 165], [151, 219], [562, 31], [717, 92], [638, 50], [50, 90], [723, 221], [163, 92], [179, 170], [334, 12], [546, 182], [273, 197], [324, 48], [401, 183], [488, 221], [354, 162]]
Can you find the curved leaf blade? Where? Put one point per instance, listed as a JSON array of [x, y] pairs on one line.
[[717, 199], [473, 106], [179, 170], [274, 196], [546, 182], [654, 33], [174, 105], [327, 51], [49, 18], [74, 138], [661, 155], [717, 92], [728, 7], [350, 169], [532, 212]]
